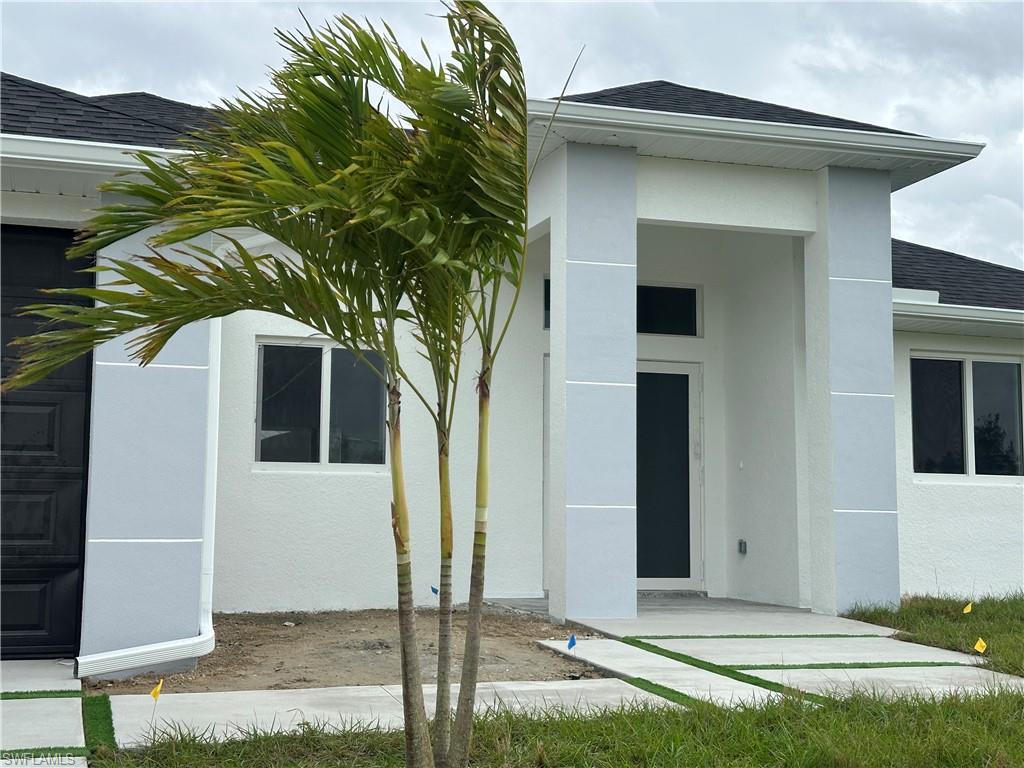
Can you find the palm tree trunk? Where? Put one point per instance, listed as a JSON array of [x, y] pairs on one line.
[[443, 708], [462, 733], [417, 735]]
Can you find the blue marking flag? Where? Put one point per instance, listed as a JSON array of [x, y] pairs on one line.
[[434, 589], [572, 641]]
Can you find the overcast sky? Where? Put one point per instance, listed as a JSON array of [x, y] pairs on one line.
[[941, 69]]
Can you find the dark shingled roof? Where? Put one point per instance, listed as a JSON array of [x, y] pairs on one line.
[[663, 96], [35, 109], [143, 119], [958, 279]]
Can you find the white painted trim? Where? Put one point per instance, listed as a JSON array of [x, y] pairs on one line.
[[869, 511], [862, 394], [601, 263], [145, 655], [145, 541], [861, 280], [602, 383], [73, 154], [988, 315], [650, 122], [600, 506], [154, 365]]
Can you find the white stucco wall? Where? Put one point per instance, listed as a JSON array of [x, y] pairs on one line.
[[319, 537], [961, 535], [748, 356], [726, 195]]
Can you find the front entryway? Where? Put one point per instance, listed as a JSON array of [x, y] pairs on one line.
[[668, 476], [45, 438]]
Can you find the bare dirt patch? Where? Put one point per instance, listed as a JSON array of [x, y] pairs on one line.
[[257, 651]]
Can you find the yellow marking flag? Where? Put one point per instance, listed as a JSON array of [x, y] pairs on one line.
[[980, 646], [969, 607], [155, 693]]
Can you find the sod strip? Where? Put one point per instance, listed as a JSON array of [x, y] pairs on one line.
[[740, 637], [676, 697], [12, 695], [854, 665], [693, 661], [98, 722]]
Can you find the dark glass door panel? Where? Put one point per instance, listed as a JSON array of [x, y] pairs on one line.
[[662, 476]]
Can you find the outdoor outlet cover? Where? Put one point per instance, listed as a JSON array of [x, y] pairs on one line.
[[743, 546]]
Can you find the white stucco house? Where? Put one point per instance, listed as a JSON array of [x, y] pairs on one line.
[[724, 376]]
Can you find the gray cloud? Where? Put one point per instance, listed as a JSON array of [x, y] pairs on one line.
[[941, 69]]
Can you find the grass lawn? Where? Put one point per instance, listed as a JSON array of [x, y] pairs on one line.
[[857, 733], [940, 621], [807, 732]]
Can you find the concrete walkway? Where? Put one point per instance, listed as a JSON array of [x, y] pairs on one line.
[[622, 660], [684, 615], [223, 714], [817, 654], [41, 722]]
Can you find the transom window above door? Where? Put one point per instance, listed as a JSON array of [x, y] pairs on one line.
[[966, 416], [317, 404], [665, 310]]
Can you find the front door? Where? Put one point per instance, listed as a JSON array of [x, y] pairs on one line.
[[42, 462], [668, 479]]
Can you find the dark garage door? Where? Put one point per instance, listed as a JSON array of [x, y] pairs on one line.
[[42, 463]]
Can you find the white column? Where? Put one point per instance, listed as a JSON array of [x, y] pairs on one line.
[[592, 408], [851, 406], [150, 502]]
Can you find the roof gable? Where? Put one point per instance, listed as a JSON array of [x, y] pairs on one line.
[[665, 96]]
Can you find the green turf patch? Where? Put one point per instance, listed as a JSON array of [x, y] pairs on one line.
[[13, 695], [941, 622], [676, 697], [738, 637], [743, 677], [853, 665], [98, 723]]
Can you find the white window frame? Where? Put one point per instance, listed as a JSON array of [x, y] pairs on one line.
[[966, 361], [326, 346], [698, 308]]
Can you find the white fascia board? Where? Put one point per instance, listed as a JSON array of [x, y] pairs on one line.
[[29, 151], [1010, 319], [642, 122]]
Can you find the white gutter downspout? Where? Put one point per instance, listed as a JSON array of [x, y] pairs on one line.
[[148, 656]]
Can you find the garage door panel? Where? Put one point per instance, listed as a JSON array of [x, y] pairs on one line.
[[41, 518], [39, 608], [43, 429]]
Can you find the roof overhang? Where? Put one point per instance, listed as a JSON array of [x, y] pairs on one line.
[[72, 154], [921, 313], [747, 142]]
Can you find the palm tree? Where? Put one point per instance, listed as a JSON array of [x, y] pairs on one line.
[[473, 187], [378, 215]]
